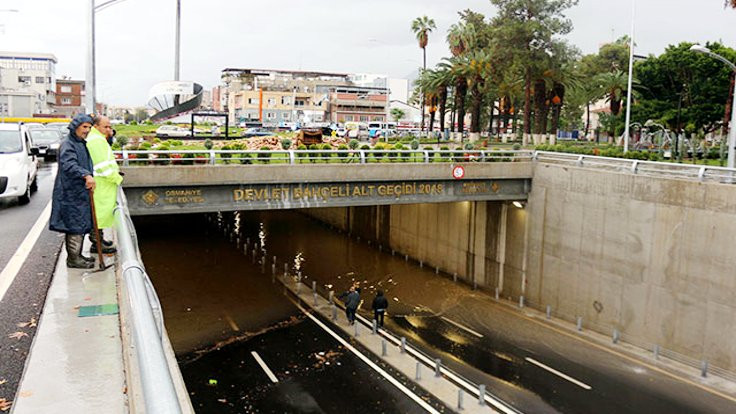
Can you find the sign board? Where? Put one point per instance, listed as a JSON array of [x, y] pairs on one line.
[[458, 172]]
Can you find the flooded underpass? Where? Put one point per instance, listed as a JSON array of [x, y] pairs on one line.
[[224, 312]]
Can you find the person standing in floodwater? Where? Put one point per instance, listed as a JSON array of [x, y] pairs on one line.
[[380, 304], [352, 301]]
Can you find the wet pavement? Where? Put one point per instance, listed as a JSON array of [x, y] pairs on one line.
[[23, 302], [209, 283]]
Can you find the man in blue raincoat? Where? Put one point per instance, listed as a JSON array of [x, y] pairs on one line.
[[70, 208]]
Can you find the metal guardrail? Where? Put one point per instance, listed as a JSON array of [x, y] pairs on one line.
[[222, 157], [650, 168], [146, 319]]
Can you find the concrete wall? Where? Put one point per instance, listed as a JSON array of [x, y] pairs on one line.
[[649, 256]]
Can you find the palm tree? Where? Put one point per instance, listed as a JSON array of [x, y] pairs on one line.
[[441, 80], [461, 39], [422, 26], [477, 70], [614, 84]]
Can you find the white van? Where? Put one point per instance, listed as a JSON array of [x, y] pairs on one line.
[[18, 163]]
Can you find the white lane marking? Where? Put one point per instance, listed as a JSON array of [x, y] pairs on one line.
[[463, 327], [19, 257], [470, 388], [265, 367], [370, 363], [559, 374]]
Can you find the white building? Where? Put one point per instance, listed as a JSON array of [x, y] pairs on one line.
[[24, 74], [398, 88]]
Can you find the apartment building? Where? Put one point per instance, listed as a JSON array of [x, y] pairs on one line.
[[27, 83], [357, 104], [69, 97], [275, 97]]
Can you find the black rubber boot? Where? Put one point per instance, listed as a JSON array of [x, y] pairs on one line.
[[105, 249], [74, 258]]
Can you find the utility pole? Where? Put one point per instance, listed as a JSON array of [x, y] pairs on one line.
[[177, 47], [631, 74], [90, 83]]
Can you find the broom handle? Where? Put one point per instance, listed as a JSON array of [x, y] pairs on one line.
[[98, 238]]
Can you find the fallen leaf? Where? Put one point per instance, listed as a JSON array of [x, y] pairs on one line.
[[3, 381], [17, 335], [22, 324], [4, 404]]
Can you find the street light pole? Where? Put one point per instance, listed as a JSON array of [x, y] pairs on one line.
[[732, 126], [90, 83], [178, 37], [631, 74]]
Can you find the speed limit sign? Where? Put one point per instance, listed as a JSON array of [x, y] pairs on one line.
[[458, 172]]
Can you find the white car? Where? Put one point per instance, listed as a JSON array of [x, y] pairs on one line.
[[172, 131], [18, 163]]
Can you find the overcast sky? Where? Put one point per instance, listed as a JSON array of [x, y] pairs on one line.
[[135, 39]]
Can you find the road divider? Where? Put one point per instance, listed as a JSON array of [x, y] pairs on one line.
[[264, 367]]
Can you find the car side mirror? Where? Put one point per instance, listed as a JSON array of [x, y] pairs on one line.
[[34, 151]]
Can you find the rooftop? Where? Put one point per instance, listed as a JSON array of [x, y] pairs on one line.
[[28, 56], [290, 72]]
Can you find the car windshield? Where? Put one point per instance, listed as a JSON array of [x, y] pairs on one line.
[[45, 137], [10, 142]]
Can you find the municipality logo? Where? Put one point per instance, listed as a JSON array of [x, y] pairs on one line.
[[150, 197]]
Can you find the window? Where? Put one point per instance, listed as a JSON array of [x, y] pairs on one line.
[[300, 102], [24, 79], [348, 118], [252, 101], [364, 118], [272, 101], [285, 100], [66, 89], [66, 101], [40, 79], [270, 115], [285, 116]]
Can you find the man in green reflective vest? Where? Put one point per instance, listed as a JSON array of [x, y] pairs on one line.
[[107, 176]]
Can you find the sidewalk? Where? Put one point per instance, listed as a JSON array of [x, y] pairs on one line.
[[442, 387], [75, 364]]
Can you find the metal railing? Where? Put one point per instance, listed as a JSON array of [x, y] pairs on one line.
[[146, 319], [650, 168], [361, 156]]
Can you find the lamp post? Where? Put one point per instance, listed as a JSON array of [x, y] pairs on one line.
[[732, 126], [631, 75]]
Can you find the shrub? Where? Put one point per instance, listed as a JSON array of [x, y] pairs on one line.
[[145, 146], [116, 146], [445, 153], [393, 151], [414, 144], [157, 140], [326, 155], [354, 144], [133, 122], [378, 153], [286, 143], [208, 144], [244, 158], [225, 156], [122, 140], [517, 147], [469, 146], [365, 147], [340, 154], [265, 157]]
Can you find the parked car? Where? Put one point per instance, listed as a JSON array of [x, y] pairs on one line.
[[62, 127], [47, 141], [255, 132], [172, 131], [18, 163], [34, 125]]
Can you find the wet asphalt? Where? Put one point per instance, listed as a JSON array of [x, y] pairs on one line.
[[23, 302]]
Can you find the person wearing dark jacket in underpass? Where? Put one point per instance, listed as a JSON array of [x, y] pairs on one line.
[[380, 304], [71, 213], [352, 301]]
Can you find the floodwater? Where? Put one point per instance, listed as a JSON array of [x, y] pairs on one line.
[[221, 304]]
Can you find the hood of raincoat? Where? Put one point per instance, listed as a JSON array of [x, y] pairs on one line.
[[76, 122]]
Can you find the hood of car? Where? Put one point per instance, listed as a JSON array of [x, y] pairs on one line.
[[10, 162]]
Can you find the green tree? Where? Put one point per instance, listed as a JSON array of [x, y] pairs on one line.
[[525, 31], [397, 114], [699, 85], [422, 26]]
